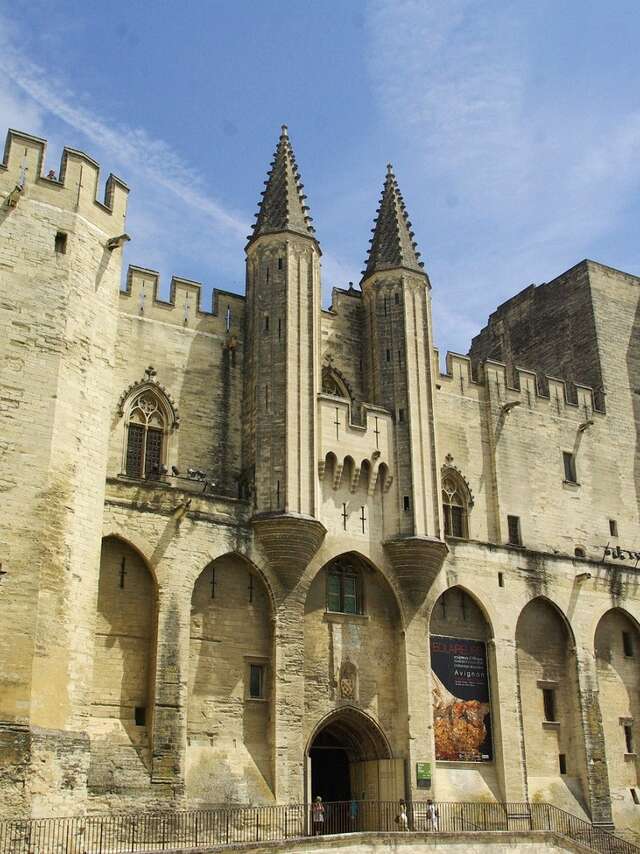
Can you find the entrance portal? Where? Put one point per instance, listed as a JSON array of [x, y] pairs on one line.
[[350, 758]]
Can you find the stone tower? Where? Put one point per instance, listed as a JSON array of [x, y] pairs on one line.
[[400, 375], [282, 368], [59, 300]]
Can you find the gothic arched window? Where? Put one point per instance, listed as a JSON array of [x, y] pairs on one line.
[[344, 588], [332, 383], [455, 506], [147, 427]]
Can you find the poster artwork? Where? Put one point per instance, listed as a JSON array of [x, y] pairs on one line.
[[461, 711]]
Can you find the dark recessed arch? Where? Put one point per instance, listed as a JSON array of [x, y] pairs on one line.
[[353, 730]]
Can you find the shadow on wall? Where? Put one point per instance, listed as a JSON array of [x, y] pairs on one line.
[[228, 713], [124, 665], [633, 369]]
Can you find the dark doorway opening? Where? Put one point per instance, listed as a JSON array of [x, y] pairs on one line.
[[330, 773]]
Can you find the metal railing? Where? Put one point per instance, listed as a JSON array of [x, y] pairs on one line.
[[152, 832]]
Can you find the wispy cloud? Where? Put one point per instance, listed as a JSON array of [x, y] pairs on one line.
[[170, 216], [522, 177]]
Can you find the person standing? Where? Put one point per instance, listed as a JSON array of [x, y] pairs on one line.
[[317, 815], [402, 819], [433, 815]]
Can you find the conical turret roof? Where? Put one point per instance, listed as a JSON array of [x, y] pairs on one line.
[[392, 244], [283, 203]]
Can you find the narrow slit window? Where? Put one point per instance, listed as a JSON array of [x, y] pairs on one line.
[[140, 715], [569, 461], [613, 527], [501, 579], [61, 242], [549, 701], [266, 323], [256, 681], [628, 738], [513, 524], [397, 299], [627, 644], [388, 355], [634, 796], [401, 416], [406, 503], [280, 264], [562, 762]]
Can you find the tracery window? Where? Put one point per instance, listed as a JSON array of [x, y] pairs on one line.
[[344, 588], [333, 384], [146, 431], [455, 508]]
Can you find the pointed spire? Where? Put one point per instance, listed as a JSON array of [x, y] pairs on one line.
[[282, 207], [392, 244]]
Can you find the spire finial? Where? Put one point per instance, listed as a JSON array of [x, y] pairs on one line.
[[392, 244], [282, 207]]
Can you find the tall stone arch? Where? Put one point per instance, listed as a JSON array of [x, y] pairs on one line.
[[122, 696], [231, 685], [552, 725]]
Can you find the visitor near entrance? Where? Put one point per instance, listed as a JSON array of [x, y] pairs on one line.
[[432, 815], [318, 816]]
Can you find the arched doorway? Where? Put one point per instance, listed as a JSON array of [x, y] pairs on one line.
[[349, 757]]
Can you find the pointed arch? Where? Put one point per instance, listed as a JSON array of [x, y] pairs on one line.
[[457, 501], [150, 416], [334, 382], [230, 679], [123, 684], [361, 735], [467, 611]]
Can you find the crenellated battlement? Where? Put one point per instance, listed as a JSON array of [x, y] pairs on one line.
[[468, 379], [74, 188], [183, 308]]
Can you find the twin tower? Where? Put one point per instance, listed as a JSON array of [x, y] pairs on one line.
[[285, 349]]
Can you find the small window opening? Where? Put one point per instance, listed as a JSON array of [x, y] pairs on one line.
[[401, 416], [388, 355], [613, 527], [579, 552], [61, 242], [549, 701], [562, 762], [400, 357], [384, 306], [266, 323], [279, 327], [256, 681], [569, 461], [513, 524], [140, 715], [266, 397], [627, 644], [634, 796], [628, 738], [501, 579], [406, 503], [397, 299], [279, 263]]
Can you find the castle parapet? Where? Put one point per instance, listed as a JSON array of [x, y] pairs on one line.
[[469, 380], [184, 306], [74, 188]]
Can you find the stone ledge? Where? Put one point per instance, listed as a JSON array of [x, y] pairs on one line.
[[481, 842]]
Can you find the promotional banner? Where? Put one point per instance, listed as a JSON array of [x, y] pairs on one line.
[[461, 711]]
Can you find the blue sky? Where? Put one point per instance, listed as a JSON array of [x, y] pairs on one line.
[[514, 128]]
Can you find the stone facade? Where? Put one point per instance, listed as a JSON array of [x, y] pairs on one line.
[[228, 536]]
